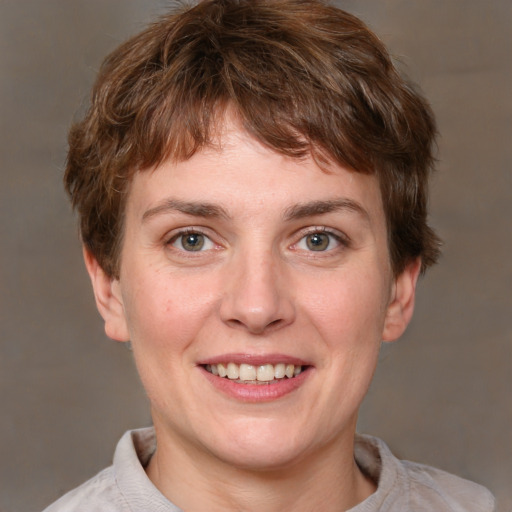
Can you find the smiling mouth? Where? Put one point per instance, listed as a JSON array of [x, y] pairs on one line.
[[255, 374]]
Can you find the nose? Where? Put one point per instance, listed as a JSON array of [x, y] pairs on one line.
[[257, 294]]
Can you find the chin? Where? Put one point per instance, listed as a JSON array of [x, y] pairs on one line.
[[260, 447], [260, 458]]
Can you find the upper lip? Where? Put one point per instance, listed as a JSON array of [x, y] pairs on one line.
[[254, 359]]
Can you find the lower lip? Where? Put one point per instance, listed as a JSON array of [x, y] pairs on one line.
[[257, 392]]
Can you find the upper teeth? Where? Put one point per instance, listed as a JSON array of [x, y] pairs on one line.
[[249, 372]]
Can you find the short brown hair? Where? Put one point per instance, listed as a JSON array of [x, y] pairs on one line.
[[302, 76]]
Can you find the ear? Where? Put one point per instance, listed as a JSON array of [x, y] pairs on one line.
[[401, 306], [108, 299]]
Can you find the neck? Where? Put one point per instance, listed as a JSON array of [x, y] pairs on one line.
[[329, 480]]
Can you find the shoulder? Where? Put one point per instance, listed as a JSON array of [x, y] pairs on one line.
[[117, 487], [407, 485], [100, 493], [455, 494]]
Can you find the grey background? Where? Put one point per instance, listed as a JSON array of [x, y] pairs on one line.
[[440, 396]]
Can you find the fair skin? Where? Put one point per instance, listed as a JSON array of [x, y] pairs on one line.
[[241, 255]]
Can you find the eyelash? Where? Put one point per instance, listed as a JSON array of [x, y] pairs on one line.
[[340, 239], [175, 237]]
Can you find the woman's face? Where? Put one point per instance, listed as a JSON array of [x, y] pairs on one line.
[[244, 261]]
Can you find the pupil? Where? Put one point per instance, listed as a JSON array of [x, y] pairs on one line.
[[318, 242], [193, 242]]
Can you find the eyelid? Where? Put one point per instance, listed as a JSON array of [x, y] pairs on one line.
[[186, 230], [171, 237], [341, 238]]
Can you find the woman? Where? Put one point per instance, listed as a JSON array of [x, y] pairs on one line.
[[251, 180]]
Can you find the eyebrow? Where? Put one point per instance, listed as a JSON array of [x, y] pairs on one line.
[[313, 208], [295, 212], [196, 209]]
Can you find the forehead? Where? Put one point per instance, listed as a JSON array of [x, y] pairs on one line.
[[239, 175]]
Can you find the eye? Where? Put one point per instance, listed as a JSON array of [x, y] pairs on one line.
[[192, 241], [319, 241]]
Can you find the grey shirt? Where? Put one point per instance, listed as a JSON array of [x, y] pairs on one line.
[[401, 486]]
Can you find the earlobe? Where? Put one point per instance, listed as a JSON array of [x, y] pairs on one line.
[[108, 299], [401, 305]]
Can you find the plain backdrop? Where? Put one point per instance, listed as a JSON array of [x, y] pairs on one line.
[[441, 395]]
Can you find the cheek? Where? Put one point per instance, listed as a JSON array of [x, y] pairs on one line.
[[164, 312], [164, 317], [349, 309]]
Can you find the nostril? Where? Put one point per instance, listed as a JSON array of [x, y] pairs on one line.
[[257, 305], [256, 328]]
